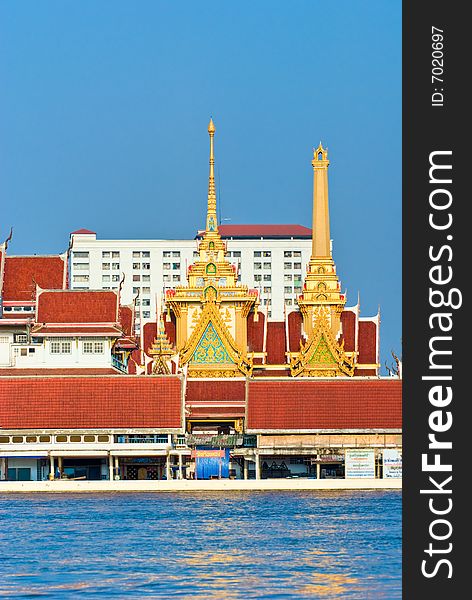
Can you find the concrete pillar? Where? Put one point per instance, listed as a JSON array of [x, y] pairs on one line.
[[51, 467], [318, 470], [117, 467], [258, 466], [245, 468], [181, 474], [168, 470], [110, 467], [59, 464]]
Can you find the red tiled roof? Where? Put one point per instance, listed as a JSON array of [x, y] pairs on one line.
[[215, 389], [95, 402], [266, 231], [149, 335], [276, 343], [295, 321], [216, 412], [21, 273], [255, 333], [367, 342], [77, 306], [126, 319], [83, 232], [301, 405], [348, 320]]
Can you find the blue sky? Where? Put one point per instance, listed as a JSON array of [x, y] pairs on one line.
[[104, 109]]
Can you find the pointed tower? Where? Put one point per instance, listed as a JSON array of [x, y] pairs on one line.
[[161, 350], [321, 302], [211, 310]]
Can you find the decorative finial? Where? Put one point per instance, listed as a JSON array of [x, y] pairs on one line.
[[320, 151], [211, 126]]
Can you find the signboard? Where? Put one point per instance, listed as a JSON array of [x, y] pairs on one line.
[[392, 464], [208, 453], [360, 464]]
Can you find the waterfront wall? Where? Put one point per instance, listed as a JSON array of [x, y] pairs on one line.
[[236, 485]]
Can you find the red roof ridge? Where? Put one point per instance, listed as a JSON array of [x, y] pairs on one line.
[[84, 231]]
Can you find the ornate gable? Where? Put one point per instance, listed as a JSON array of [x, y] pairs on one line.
[[211, 350], [322, 356]]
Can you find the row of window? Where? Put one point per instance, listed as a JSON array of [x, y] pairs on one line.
[[116, 254], [34, 439], [65, 347]]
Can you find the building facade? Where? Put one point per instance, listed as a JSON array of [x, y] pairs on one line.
[[216, 385]]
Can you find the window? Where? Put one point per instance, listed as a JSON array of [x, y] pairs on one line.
[[92, 347], [81, 254], [81, 278], [176, 266], [80, 266], [146, 290], [105, 277], [257, 266], [146, 314], [297, 265], [196, 254], [136, 265], [166, 266], [146, 278], [138, 302], [60, 347], [136, 254], [176, 254], [237, 254], [287, 278], [146, 302], [288, 301], [136, 277], [135, 290], [297, 289], [166, 254], [145, 254], [297, 254], [105, 254], [287, 254], [297, 278], [288, 289], [267, 289], [267, 265], [115, 278], [146, 266], [267, 277], [287, 265], [175, 277], [257, 253], [267, 253], [166, 277], [115, 266], [115, 254], [257, 277], [20, 338], [106, 266]]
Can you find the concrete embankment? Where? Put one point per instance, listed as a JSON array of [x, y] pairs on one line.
[[227, 485]]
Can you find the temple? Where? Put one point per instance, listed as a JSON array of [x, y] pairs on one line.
[[213, 387]]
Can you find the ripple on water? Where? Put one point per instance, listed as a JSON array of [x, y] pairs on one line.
[[212, 545]]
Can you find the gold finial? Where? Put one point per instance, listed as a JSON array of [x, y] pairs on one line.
[[211, 127], [320, 154]]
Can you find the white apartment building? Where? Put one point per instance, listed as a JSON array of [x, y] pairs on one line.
[[269, 258]]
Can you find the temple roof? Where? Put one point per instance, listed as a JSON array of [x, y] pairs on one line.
[[23, 273], [90, 402], [262, 231]]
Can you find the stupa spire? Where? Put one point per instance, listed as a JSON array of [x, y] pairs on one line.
[[321, 246], [211, 220]]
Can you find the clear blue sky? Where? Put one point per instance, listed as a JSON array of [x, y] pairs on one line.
[[104, 108]]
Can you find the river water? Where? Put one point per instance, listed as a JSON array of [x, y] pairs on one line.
[[339, 544]]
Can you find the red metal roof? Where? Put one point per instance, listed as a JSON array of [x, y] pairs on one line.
[[39, 330], [276, 343], [90, 402], [301, 405], [83, 232], [77, 306], [22, 273], [348, 320], [367, 342], [255, 333], [265, 231]]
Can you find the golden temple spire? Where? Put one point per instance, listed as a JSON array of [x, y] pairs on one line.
[[321, 247], [211, 221]]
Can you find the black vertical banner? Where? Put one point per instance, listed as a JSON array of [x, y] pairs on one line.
[[437, 248]]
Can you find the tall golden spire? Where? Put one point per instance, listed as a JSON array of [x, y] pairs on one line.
[[321, 247], [211, 221]]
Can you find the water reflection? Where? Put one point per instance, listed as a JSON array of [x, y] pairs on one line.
[[204, 546]]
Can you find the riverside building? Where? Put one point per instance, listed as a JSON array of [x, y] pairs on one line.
[[213, 387]]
